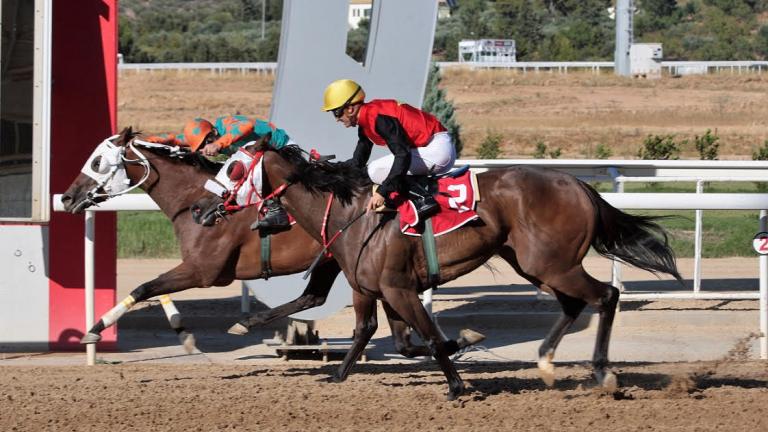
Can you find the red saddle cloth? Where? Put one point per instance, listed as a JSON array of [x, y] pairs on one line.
[[457, 197]]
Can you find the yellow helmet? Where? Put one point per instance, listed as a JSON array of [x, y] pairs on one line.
[[341, 93]]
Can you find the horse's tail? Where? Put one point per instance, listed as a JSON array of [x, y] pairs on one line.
[[636, 240]]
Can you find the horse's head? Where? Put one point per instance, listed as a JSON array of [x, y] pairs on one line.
[[236, 184], [298, 166], [102, 176]]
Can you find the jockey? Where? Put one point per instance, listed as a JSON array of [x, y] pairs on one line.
[[225, 135], [419, 143]]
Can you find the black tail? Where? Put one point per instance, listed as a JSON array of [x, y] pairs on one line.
[[636, 240]]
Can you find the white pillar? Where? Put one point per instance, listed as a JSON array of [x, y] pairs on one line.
[[623, 36], [90, 237], [763, 292], [697, 243]]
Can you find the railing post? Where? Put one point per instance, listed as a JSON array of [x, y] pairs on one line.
[[697, 243], [245, 300], [763, 292], [90, 238], [426, 300], [618, 187]]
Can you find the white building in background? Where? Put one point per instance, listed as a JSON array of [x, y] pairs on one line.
[[488, 51], [359, 9], [645, 60]]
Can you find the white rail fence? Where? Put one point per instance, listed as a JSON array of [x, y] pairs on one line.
[[618, 172], [670, 67]]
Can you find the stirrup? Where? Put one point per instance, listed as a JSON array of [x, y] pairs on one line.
[[265, 225], [426, 206]]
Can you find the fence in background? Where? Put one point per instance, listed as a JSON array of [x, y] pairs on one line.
[[669, 67]]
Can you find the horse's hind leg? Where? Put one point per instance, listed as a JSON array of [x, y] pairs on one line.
[[365, 327], [315, 294], [578, 287], [177, 279], [571, 308], [606, 305]]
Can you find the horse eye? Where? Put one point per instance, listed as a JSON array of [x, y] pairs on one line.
[[95, 163]]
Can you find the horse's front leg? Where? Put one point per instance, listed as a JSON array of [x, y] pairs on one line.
[[406, 303], [365, 327], [177, 279], [402, 337], [314, 295]]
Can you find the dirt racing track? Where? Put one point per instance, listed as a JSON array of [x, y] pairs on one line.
[[682, 365]]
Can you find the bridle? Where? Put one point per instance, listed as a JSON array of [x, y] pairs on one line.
[[93, 194]]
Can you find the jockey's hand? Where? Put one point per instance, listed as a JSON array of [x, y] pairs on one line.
[[376, 201], [211, 149]]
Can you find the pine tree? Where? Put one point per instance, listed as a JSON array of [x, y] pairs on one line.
[[436, 103]]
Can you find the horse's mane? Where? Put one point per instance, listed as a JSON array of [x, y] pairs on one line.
[[342, 179]]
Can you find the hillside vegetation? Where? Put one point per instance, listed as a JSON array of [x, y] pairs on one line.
[[556, 30]]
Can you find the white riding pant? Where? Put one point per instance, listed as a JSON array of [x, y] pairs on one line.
[[437, 157]]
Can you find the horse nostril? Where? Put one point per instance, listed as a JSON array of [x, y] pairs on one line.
[[196, 210], [65, 198]]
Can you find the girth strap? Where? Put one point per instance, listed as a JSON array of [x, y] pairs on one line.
[[430, 251], [266, 248]]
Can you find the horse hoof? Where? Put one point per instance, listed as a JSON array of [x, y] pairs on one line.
[[547, 371], [334, 379], [609, 383], [188, 342], [238, 329], [90, 338], [469, 337]]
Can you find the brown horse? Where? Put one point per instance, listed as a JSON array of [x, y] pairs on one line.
[[214, 255], [542, 222]]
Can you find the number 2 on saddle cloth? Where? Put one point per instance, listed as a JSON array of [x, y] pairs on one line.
[[457, 196]]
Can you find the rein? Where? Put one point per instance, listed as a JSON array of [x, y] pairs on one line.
[[230, 204], [325, 251], [94, 194]]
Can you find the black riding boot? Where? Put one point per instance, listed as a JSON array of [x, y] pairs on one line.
[[276, 218], [426, 205]]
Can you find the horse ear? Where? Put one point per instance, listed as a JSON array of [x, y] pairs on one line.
[[265, 139], [124, 135]]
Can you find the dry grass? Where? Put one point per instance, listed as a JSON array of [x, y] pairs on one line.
[[574, 112]]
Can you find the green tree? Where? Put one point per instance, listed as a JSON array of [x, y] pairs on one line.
[[659, 147], [470, 14], [520, 20], [436, 103], [490, 148], [707, 145], [357, 40], [602, 151], [761, 154]]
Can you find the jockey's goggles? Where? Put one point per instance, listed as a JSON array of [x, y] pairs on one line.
[[338, 112]]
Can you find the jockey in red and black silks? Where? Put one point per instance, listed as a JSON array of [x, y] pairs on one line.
[[419, 143]]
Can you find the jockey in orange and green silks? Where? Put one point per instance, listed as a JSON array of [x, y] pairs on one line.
[[225, 135]]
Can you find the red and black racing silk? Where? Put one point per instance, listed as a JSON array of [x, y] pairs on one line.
[[420, 126]]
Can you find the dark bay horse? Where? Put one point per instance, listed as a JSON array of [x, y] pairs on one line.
[[542, 222], [219, 254]]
